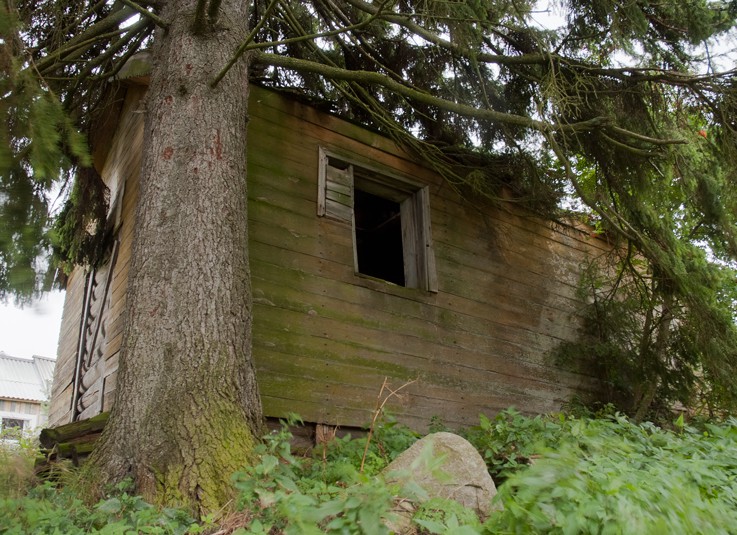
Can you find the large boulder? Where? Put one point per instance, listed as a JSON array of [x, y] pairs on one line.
[[445, 465]]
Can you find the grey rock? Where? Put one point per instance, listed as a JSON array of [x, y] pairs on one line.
[[445, 465]]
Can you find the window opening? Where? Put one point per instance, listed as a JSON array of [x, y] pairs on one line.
[[390, 218], [13, 423], [378, 225]]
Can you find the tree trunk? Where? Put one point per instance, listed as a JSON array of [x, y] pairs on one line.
[[187, 407]]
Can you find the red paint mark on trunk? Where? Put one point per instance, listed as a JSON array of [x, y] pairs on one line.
[[167, 154]]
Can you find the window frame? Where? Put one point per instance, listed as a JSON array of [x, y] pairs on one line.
[[24, 423], [336, 194]]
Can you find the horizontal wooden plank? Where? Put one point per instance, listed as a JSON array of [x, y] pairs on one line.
[[521, 220], [355, 304], [338, 283], [543, 295], [338, 403], [373, 344], [448, 366], [270, 105], [60, 408]]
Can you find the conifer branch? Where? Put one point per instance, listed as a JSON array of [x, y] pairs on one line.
[[69, 28], [628, 148], [73, 52], [541, 58], [647, 139], [431, 37], [99, 31], [241, 49], [311, 37], [148, 14], [121, 62], [132, 32], [375, 78]]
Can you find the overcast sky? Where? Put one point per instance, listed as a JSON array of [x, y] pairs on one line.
[[32, 330]]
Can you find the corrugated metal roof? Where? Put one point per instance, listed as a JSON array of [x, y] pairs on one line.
[[28, 379]]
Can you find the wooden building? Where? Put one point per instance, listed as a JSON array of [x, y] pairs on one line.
[[365, 266], [25, 384]]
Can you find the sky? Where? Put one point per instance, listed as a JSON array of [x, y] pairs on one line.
[[33, 329]]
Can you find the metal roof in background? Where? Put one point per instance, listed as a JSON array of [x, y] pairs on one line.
[[26, 379]]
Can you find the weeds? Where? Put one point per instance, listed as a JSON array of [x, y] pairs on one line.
[[510, 440], [326, 494], [49, 510], [613, 476], [564, 474], [17, 455]]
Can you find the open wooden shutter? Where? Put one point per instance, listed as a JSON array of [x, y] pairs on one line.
[[419, 256], [335, 189]]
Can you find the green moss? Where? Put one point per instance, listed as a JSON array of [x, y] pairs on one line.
[[199, 479]]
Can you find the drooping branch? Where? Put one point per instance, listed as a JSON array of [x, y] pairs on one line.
[[375, 78], [646, 139], [134, 34], [624, 146], [626, 231], [148, 14], [364, 48], [241, 49], [435, 39], [69, 28], [99, 31], [639, 74]]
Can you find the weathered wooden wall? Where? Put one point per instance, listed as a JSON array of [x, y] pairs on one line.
[[325, 338], [120, 164]]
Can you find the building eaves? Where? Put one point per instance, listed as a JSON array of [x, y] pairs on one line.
[[25, 379]]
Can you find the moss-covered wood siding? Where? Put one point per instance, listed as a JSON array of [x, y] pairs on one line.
[[325, 338]]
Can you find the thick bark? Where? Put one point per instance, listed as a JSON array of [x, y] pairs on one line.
[[187, 406]]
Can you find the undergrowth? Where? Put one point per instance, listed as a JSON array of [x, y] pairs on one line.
[[326, 493], [613, 476], [16, 464], [556, 474], [48, 510]]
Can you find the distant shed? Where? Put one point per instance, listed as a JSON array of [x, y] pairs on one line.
[[365, 266], [25, 388]]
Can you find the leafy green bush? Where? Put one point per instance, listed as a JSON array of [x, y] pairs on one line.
[[48, 510], [510, 440], [439, 515], [389, 439], [613, 476], [313, 495]]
